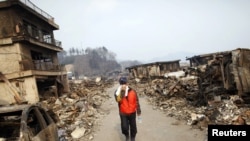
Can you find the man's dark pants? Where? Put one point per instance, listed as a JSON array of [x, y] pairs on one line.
[[128, 122]]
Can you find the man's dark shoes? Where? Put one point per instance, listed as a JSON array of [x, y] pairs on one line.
[[132, 138], [127, 138]]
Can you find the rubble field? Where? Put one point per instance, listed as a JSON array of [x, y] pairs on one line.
[[78, 113]]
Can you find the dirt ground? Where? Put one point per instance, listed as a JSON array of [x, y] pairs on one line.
[[155, 126]]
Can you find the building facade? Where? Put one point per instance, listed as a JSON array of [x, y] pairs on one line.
[[155, 69], [28, 53]]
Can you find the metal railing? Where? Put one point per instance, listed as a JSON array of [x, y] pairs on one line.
[[37, 9], [42, 37], [41, 65]]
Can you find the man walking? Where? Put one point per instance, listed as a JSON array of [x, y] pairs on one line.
[[129, 106]]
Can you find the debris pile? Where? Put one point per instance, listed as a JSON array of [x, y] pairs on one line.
[[78, 111], [181, 98], [214, 89]]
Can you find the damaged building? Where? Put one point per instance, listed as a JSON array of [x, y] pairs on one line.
[[153, 70], [223, 72], [218, 74], [28, 54]]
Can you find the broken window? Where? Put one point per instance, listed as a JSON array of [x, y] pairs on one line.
[[42, 61], [47, 38]]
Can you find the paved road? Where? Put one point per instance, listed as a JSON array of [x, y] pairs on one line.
[[155, 125]]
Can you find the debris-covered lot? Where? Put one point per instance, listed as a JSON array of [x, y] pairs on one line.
[[182, 102], [214, 92], [78, 112], [37, 102]]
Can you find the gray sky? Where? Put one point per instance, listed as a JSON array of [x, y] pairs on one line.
[[146, 29]]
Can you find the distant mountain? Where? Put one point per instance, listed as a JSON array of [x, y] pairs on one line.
[[173, 56], [125, 64], [168, 57]]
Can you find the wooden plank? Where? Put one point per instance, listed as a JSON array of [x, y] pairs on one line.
[[172, 87], [16, 95]]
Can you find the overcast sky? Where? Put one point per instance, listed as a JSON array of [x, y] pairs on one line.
[[146, 29]]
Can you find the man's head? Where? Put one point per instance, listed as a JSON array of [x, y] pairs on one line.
[[123, 80]]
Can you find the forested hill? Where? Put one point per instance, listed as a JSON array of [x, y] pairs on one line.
[[93, 61]]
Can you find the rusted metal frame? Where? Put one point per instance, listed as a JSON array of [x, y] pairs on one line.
[[222, 73], [41, 122], [40, 118], [228, 77], [200, 80]]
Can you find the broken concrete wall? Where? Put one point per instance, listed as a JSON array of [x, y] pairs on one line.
[[9, 59]]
